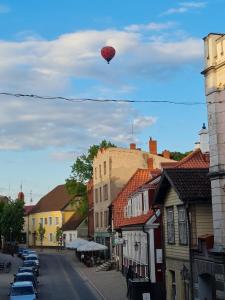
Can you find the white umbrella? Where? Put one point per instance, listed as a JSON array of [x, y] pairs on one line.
[[91, 246], [76, 243]]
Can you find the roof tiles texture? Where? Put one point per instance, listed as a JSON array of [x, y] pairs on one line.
[[74, 221], [55, 200], [140, 177]]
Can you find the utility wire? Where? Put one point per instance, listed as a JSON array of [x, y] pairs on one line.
[[38, 97]]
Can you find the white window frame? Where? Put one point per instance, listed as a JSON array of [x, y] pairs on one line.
[[50, 221], [145, 202], [182, 225], [170, 225]]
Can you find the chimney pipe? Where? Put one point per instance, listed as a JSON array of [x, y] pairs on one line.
[[153, 146], [150, 163], [166, 154], [133, 146]]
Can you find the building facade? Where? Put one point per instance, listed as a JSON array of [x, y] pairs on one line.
[[112, 168]]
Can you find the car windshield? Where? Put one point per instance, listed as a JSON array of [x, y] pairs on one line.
[[24, 278], [29, 263], [22, 290], [31, 258]]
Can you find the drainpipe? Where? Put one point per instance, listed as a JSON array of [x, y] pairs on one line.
[[148, 251], [190, 251]]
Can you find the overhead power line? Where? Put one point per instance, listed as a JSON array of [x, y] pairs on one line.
[[38, 97]]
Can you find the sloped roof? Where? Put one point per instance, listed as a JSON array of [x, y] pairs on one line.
[[190, 184], [27, 209], [195, 159], [55, 200], [139, 177], [74, 221]]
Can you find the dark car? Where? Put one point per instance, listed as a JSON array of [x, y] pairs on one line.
[[31, 263], [27, 277]]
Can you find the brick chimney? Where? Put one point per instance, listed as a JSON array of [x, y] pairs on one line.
[[152, 146], [133, 146], [166, 154], [150, 163]]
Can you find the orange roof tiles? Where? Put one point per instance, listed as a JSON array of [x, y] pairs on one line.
[[139, 177]]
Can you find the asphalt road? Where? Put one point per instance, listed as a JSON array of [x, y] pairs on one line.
[[59, 280]]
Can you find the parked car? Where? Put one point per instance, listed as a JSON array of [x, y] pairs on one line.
[[27, 269], [31, 263], [20, 251], [22, 290], [24, 253], [33, 257], [27, 277]]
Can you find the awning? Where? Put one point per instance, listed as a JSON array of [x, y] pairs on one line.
[[91, 246], [76, 243]]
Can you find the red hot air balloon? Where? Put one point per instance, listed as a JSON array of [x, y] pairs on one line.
[[108, 53]]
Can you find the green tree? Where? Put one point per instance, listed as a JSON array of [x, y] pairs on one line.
[[82, 171], [59, 235], [12, 220], [41, 233], [178, 155]]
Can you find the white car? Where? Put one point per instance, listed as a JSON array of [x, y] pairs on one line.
[[22, 290], [33, 257]]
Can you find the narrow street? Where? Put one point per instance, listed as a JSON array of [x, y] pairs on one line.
[[59, 280]]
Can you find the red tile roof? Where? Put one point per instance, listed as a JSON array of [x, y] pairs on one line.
[[140, 177], [27, 209], [55, 200], [195, 159]]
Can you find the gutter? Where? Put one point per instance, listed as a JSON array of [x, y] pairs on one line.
[[148, 251]]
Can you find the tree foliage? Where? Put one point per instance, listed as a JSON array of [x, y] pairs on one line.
[[12, 220], [82, 171], [178, 155], [41, 233]]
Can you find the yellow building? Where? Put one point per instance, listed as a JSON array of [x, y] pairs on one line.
[[52, 212]]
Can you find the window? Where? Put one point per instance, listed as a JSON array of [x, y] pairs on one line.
[[50, 237], [41, 221], [182, 225], [100, 194], [96, 220], [100, 171], [105, 192], [56, 220], [50, 220], [46, 221], [96, 195], [33, 222], [145, 202], [170, 226], [71, 236], [104, 167], [101, 219], [106, 218]]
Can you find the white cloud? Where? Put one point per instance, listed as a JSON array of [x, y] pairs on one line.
[[184, 7], [149, 27], [56, 67]]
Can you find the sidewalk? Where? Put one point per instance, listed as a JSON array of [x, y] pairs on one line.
[[111, 285], [6, 278]]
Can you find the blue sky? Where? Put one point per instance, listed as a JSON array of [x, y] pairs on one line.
[[52, 48]]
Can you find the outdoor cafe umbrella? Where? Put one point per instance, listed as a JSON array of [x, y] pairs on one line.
[[91, 246], [76, 243]]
